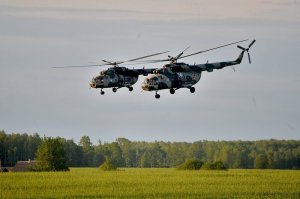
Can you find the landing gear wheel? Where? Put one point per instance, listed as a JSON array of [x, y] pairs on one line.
[[192, 89], [157, 96], [114, 90], [172, 91], [102, 92], [130, 88]]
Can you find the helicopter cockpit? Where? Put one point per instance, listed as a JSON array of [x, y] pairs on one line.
[[97, 81], [152, 80]]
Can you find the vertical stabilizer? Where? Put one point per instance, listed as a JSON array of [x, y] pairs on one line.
[[240, 58]]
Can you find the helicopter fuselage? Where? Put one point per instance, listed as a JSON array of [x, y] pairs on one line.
[[103, 81], [118, 77], [175, 76], [114, 77]]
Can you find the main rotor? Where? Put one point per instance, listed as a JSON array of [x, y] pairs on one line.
[[113, 63], [174, 59]]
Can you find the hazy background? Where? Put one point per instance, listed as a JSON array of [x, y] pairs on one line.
[[258, 101]]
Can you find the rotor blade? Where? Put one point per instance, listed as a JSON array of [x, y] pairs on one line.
[[142, 63], [145, 56], [153, 61], [240, 47], [131, 60], [249, 57], [112, 63], [169, 59], [186, 48], [83, 66], [251, 43], [213, 48], [179, 55]]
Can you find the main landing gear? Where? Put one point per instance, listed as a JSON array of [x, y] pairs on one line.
[[102, 92], [172, 91], [157, 96], [114, 89], [192, 89], [130, 88]]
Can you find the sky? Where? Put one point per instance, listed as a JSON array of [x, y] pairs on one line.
[[257, 101]]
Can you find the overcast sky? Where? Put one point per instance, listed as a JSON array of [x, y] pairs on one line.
[[258, 101]]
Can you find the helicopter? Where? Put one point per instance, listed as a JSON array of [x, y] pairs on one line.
[[174, 76], [117, 77]]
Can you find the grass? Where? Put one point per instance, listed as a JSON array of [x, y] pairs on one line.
[[151, 183]]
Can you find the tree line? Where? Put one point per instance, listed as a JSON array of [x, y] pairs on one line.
[[264, 154]]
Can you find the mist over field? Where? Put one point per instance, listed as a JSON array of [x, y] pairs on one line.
[[258, 101]]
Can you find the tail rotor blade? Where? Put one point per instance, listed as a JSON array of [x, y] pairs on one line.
[[252, 43], [240, 47], [247, 49], [249, 57]]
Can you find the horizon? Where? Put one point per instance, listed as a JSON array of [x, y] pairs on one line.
[[149, 141]]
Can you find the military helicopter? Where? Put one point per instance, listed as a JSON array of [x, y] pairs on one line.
[[117, 77], [174, 76]]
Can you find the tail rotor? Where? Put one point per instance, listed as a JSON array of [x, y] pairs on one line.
[[247, 49]]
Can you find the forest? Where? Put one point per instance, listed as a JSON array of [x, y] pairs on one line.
[[261, 154]]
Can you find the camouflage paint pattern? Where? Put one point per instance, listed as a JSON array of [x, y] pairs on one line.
[[182, 75], [118, 77]]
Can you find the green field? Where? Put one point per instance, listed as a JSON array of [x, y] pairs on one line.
[[151, 183]]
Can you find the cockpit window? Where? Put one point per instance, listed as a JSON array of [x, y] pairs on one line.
[[109, 72], [98, 78]]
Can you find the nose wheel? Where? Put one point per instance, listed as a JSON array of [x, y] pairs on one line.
[[114, 90], [157, 96]]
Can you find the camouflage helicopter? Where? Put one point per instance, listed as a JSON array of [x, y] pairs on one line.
[[174, 76], [117, 77]]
